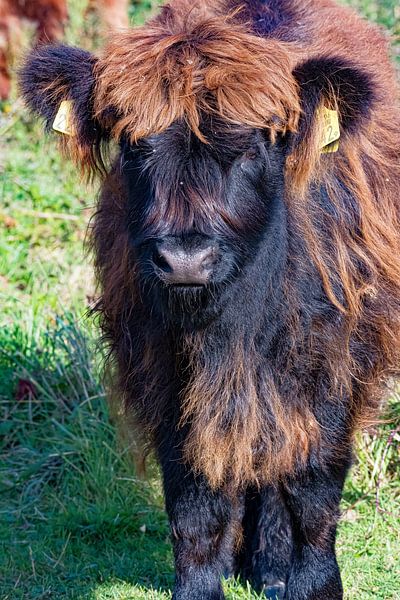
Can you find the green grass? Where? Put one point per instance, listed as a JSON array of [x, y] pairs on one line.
[[384, 12], [75, 522]]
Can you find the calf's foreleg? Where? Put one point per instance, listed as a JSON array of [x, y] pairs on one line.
[[202, 525], [313, 501], [266, 553]]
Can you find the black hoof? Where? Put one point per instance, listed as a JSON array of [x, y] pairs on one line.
[[275, 590]]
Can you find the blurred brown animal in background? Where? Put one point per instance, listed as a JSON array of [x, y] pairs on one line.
[[113, 13], [50, 18]]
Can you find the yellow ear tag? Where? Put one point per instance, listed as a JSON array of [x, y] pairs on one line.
[[330, 130], [63, 122]]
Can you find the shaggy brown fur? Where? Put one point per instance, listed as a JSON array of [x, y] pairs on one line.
[[192, 61], [232, 437], [181, 65], [213, 66]]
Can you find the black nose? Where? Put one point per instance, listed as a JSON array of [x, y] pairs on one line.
[[180, 266]]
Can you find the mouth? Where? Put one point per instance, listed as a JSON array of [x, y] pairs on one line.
[[186, 287]]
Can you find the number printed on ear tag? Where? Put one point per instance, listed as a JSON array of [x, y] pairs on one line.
[[63, 122], [330, 130]]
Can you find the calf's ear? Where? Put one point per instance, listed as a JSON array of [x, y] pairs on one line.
[[335, 84], [52, 74]]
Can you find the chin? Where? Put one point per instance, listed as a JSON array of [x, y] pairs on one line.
[[187, 308]]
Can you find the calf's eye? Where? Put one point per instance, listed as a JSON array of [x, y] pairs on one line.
[[251, 154], [248, 161]]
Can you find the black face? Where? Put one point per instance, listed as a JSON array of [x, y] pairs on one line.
[[198, 214]]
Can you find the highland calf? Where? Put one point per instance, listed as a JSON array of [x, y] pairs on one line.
[[247, 245]]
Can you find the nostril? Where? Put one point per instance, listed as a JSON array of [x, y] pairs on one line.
[[161, 262], [208, 261]]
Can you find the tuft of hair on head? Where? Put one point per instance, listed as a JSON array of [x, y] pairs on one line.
[[176, 68]]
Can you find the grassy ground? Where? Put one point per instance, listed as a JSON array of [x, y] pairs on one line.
[[74, 520]]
